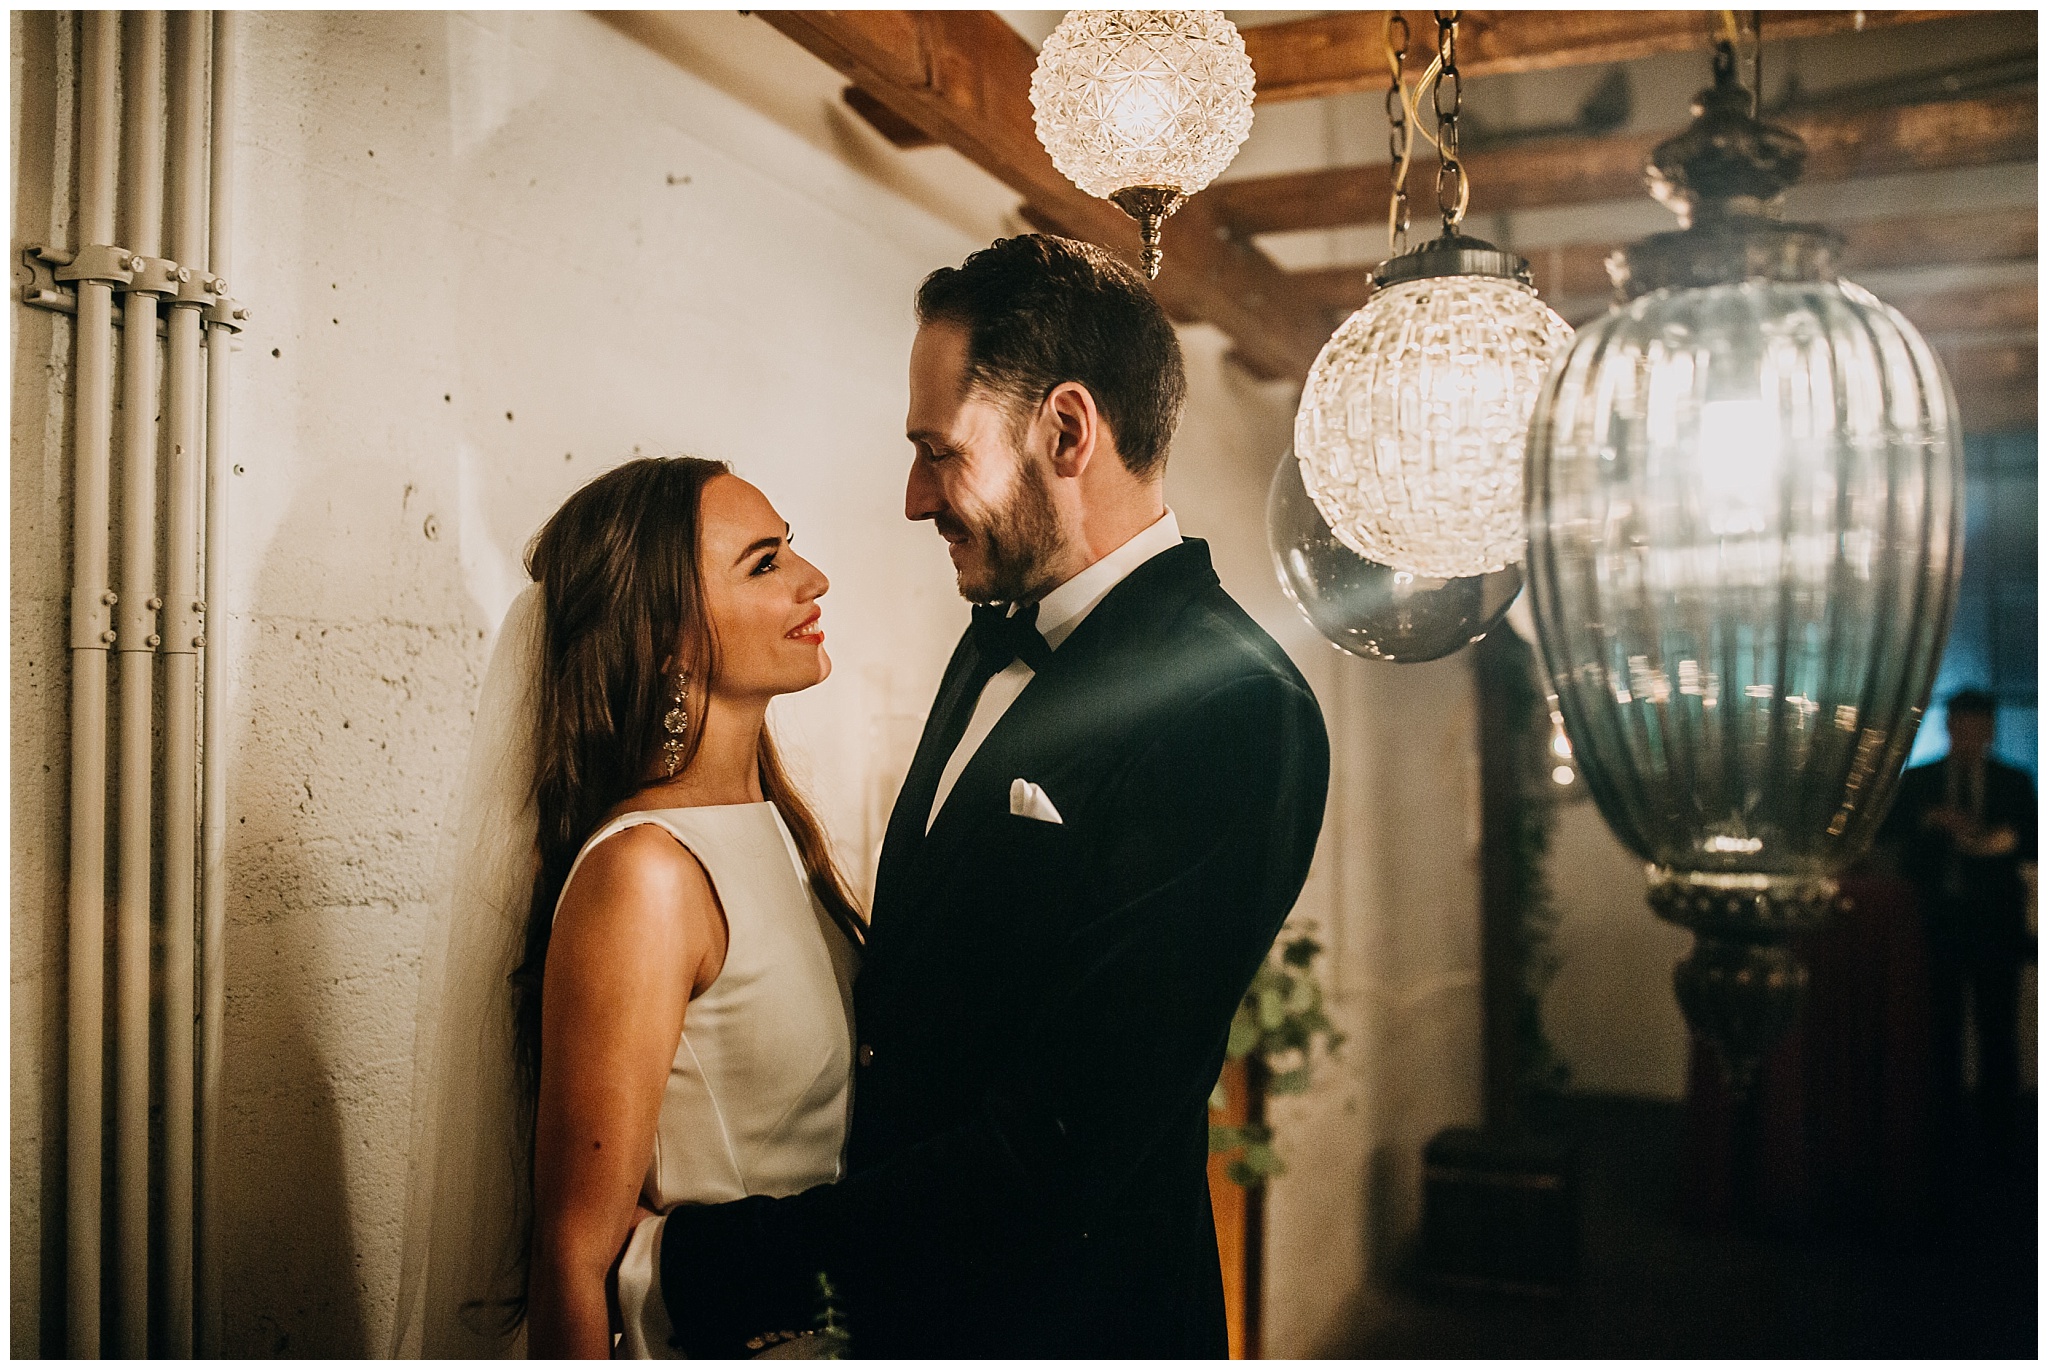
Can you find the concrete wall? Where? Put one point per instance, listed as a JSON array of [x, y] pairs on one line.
[[489, 257], [38, 535]]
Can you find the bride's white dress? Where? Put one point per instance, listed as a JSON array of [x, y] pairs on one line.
[[757, 1096], [759, 1091]]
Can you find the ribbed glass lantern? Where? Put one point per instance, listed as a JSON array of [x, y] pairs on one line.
[[1143, 108], [1412, 424], [1744, 540]]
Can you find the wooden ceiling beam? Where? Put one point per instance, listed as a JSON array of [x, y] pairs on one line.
[[1902, 244], [1579, 171], [1968, 309], [1942, 314], [884, 120], [1975, 363], [1996, 379], [1339, 53], [963, 77], [1579, 270]]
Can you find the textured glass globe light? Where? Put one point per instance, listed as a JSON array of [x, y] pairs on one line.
[[1744, 515], [1412, 424], [1367, 610], [1143, 107]]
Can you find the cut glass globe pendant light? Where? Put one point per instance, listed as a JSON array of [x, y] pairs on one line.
[[1143, 108], [1412, 423], [1744, 516]]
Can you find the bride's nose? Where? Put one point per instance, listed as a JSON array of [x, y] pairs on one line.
[[815, 583]]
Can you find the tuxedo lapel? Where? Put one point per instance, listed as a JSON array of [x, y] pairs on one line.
[[1103, 652], [959, 688], [1043, 721]]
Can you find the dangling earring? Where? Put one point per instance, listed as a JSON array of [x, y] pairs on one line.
[[676, 722]]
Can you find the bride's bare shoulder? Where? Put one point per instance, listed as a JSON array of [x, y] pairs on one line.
[[640, 889], [642, 864]]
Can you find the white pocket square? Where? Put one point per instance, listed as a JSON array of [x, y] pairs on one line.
[[1028, 801]]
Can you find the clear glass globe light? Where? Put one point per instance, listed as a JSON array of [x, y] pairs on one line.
[[1412, 424], [1155, 98], [1373, 611], [1744, 537]]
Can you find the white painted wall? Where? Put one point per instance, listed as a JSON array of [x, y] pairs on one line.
[[490, 256]]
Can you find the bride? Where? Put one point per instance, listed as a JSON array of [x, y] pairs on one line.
[[644, 995]]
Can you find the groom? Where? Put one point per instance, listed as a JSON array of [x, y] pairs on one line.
[[1110, 813]]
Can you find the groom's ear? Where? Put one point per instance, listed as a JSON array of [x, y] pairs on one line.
[[1077, 431]]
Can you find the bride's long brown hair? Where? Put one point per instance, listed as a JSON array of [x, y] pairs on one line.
[[620, 588]]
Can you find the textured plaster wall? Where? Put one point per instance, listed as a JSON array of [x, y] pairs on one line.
[[38, 531], [488, 258]]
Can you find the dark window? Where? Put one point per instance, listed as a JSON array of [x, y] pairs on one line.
[[1992, 645]]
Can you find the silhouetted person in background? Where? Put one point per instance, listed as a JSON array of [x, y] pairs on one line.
[[1963, 826]]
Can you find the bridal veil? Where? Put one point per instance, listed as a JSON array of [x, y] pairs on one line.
[[467, 1195]]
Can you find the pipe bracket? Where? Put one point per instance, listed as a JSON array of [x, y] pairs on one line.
[[226, 311], [185, 625], [44, 288], [138, 623], [97, 262], [155, 276], [197, 287], [92, 621]]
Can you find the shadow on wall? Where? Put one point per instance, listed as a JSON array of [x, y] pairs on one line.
[[346, 736], [1389, 1240], [351, 734], [288, 1250], [290, 1255]]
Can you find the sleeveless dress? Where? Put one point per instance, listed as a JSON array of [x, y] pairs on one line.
[[761, 1086]]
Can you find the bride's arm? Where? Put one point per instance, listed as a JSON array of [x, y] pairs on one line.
[[639, 932]]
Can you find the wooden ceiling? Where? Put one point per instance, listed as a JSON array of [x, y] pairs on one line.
[[961, 78]]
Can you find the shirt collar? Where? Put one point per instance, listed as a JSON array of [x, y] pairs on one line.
[[1062, 609]]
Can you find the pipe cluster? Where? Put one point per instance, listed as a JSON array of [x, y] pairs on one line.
[[147, 87]]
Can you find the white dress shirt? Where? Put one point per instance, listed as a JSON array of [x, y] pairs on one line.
[[1059, 614]]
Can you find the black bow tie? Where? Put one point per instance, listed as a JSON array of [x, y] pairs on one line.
[[1002, 637]]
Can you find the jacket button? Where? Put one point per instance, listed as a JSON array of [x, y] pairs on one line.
[[866, 1055]]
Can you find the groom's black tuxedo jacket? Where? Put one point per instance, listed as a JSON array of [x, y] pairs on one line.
[[1043, 1007]]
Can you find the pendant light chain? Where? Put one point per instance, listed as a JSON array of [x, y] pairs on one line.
[[1756, 66], [1728, 52], [1400, 134], [1452, 190]]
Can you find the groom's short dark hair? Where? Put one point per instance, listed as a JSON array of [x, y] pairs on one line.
[[1041, 311]]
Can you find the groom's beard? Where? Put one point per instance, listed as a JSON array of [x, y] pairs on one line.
[[1014, 544]]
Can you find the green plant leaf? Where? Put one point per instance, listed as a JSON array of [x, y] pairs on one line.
[[1244, 1037], [1301, 952], [1289, 1081]]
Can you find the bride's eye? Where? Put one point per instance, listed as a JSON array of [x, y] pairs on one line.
[[764, 565]]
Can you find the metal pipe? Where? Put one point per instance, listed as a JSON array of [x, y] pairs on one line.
[[214, 814], [91, 631], [186, 222], [136, 649]]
